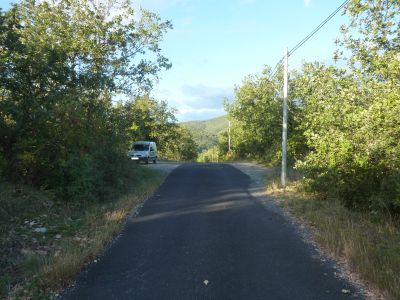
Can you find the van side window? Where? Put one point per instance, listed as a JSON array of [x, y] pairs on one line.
[[151, 149]]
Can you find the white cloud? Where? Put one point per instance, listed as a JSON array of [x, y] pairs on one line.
[[195, 101], [199, 114], [307, 3], [200, 96]]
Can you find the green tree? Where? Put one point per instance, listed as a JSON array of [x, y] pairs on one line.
[[209, 155], [373, 38], [256, 117], [61, 64], [350, 117], [344, 126], [149, 119], [184, 145]]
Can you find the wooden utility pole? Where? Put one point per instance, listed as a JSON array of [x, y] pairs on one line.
[[285, 116]]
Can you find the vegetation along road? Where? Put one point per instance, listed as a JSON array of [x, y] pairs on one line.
[[80, 82], [203, 236]]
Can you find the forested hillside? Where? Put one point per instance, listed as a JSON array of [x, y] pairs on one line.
[[344, 124], [205, 133]]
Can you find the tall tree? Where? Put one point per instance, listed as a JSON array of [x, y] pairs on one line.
[[351, 115], [61, 63]]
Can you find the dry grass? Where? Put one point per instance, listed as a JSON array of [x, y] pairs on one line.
[[46, 262], [368, 244]]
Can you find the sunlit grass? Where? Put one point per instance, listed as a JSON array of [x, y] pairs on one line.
[[369, 243]]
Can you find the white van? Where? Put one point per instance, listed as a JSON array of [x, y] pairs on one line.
[[143, 151]]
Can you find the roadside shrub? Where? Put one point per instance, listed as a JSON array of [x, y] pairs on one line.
[[2, 164], [59, 126], [81, 178], [389, 196], [353, 131]]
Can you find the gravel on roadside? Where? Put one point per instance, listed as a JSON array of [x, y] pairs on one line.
[[164, 166], [258, 175]]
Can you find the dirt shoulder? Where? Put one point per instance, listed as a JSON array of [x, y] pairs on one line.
[[331, 230], [164, 166], [258, 175]]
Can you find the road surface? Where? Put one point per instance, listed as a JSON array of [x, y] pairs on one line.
[[204, 236]]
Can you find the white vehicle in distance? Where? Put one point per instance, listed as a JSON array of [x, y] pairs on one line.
[[143, 151]]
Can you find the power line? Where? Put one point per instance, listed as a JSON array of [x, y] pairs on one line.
[[304, 40], [285, 90], [318, 28], [276, 68]]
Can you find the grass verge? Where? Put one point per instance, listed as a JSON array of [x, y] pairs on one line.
[[45, 242], [367, 243]]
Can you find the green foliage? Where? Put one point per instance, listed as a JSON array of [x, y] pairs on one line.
[[209, 155], [257, 120], [80, 178], [344, 126], [183, 146], [37, 265], [351, 118], [148, 119], [205, 133], [5, 284], [61, 64], [373, 38], [353, 130]]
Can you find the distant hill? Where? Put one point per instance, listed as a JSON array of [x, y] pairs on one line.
[[205, 133]]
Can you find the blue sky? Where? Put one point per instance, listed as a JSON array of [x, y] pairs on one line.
[[215, 44]]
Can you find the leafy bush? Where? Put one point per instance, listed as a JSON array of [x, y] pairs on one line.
[[60, 64], [81, 177], [344, 126]]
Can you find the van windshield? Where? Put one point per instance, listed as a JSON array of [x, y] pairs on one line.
[[141, 147]]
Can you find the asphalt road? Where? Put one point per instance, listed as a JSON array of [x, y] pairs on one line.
[[203, 236]]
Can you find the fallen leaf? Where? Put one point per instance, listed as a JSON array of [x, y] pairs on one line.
[[205, 282], [345, 291]]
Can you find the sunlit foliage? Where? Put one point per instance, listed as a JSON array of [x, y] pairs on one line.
[[62, 64], [344, 126]]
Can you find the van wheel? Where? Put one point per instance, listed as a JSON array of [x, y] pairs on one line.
[[147, 161], [154, 161]]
